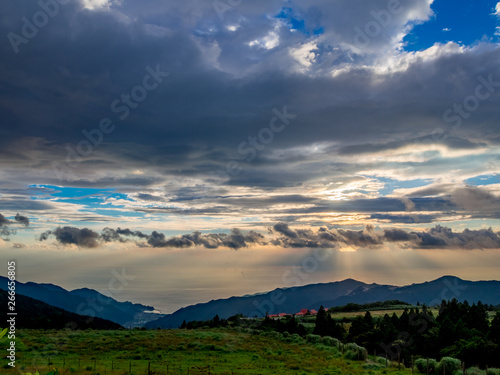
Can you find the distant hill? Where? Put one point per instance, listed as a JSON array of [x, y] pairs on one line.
[[35, 314], [85, 302], [291, 300]]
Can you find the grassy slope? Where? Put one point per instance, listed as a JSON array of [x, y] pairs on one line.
[[226, 351]]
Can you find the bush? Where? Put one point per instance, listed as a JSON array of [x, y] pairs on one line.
[[373, 366], [313, 338], [329, 341], [476, 371], [361, 352], [448, 364], [380, 360], [422, 365], [194, 344], [352, 355]]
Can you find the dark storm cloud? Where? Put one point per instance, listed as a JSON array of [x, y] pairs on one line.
[[236, 239], [5, 224], [437, 237], [4, 221], [85, 237], [120, 235], [282, 235], [22, 220], [451, 142], [324, 237], [405, 219], [121, 50]]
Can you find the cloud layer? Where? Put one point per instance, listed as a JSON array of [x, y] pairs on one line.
[[172, 116], [282, 235]]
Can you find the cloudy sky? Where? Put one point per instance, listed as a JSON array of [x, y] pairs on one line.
[[218, 148]]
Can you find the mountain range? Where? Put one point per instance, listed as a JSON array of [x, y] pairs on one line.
[[292, 300], [86, 302], [282, 300], [35, 314]]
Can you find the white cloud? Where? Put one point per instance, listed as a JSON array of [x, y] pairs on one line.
[[497, 10], [304, 54], [98, 4], [270, 41]]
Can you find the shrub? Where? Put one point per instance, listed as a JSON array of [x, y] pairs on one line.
[[329, 341], [313, 338], [448, 364], [476, 371], [361, 352], [422, 365], [352, 355], [373, 366], [380, 360], [194, 344]]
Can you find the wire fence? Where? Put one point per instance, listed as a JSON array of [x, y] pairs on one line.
[[117, 366]]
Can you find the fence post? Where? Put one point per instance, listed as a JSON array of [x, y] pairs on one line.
[[427, 366], [130, 367], [149, 368]]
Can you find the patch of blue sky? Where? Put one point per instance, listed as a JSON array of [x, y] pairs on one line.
[[297, 24], [84, 196], [461, 21], [484, 180], [390, 184]]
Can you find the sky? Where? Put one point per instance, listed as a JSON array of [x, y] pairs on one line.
[[204, 149]]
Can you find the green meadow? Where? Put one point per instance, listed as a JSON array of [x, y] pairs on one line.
[[201, 351]]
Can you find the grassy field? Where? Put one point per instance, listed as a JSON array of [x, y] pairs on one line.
[[184, 352], [374, 313]]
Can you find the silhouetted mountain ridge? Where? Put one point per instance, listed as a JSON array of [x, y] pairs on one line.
[[292, 300], [35, 314], [81, 301]]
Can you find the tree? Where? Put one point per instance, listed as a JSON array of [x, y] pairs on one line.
[[494, 331], [326, 326], [321, 325]]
